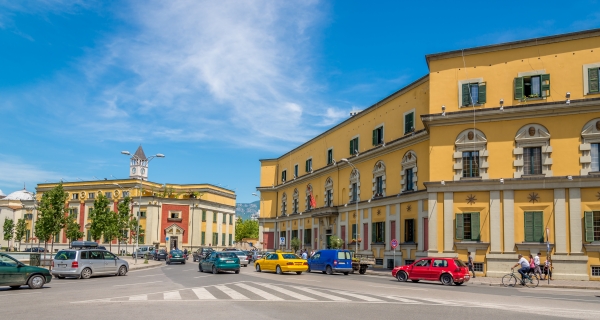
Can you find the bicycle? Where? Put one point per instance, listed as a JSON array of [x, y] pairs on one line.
[[510, 280]]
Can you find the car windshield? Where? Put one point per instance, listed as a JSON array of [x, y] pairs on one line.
[[176, 252], [65, 255], [226, 255], [344, 255], [162, 251], [240, 253], [289, 256], [459, 263], [7, 262]]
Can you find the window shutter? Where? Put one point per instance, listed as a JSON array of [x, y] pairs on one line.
[[375, 137], [475, 226], [528, 226], [545, 87], [593, 84], [538, 227], [482, 95], [466, 99], [519, 88], [373, 240], [354, 231], [460, 226], [306, 165], [351, 147], [589, 226]]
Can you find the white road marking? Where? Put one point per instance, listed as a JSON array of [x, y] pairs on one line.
[[232, 293], [17, 294], [402, 299], [173, 295], [259, 292], [133, 284], [544, 297], [321, 294], [287, 292], [203, 294], [201, 277], [151, 275], [142, 297], [189, 269], [403, 288], [357, 296]]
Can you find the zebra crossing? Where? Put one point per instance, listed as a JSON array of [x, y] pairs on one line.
[[258, 291]]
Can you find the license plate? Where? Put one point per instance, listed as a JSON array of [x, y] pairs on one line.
[[62, 265], [229, 261]]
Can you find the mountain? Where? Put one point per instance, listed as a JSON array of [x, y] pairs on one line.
[[246, 210]]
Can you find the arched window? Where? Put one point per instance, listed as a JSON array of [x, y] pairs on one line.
[[309, 191], [408, 182], [328, 196], [379, 179], [284, 204], [470, 155], [354, 188], [590, 147], [295, 202], [532, 151]]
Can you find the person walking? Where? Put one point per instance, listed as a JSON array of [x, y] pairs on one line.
[[548, 268], [304, 255], [470, 263], [531, 264], [524, 268], [536, 261]]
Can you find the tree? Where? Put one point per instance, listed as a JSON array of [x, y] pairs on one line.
[[20, 231], [245, 229], [73, 229], [9, 229], [123, 218], [295, 243], [336, 242], [99, 216], [111, 229], [52, 213]]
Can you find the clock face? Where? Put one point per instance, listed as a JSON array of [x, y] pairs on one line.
[[133, 170], [143, 170]]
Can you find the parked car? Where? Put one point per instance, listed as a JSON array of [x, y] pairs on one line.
[[446, 270], [242, 256], [229, 249], [220, 261], [280, 263], [331, 261], [16, 274], [201, 253], [84, 260], [35, 249], [160, 255], [175, 256], [257, 255], [142, 251]]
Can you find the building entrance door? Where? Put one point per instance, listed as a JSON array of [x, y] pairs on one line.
[[174, 242]]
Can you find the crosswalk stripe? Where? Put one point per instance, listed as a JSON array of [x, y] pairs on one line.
[[358, 296], [173, 295], [232, 293], [259, 292], [321, 294], [203, 294], [401, 299], [139, 298], [287, 292]]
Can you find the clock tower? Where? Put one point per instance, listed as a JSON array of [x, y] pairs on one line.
[[138, 167]]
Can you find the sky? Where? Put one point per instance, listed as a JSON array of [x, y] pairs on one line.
[[217, 85]]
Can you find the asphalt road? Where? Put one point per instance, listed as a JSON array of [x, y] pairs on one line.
[[181, 291]]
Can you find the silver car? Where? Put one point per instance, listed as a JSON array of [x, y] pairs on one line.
[[242, 256], [85, 263], [143, 251]]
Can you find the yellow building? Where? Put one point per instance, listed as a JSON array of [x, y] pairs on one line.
[[493, 150]]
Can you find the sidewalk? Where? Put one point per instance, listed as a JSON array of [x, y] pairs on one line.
[[564, 284], [140, 263]]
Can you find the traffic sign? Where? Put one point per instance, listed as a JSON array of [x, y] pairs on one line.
[[394, 243], [282, 241], [167, 238]]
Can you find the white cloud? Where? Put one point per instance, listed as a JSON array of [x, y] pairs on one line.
[[16, 173]]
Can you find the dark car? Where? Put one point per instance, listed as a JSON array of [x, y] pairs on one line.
[[201, 253], [216, 262], [160, 255], [176, 256], [15, 274], [35, 249]]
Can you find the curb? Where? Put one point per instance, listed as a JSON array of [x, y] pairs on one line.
[[144, 267]]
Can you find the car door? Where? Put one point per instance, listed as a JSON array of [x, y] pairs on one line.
[[110, 262], [420, 269], [9, 272], [315, 262], [96, 261], [435, 270], [210, 261]]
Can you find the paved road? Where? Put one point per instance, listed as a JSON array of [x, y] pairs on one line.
[[182, 289]]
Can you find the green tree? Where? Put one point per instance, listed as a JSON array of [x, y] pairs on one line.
[[295, 243], [245, 229], [123, 218], [137, 232], [336, 242], [9, 230], [111, 228], [73, 229], [99, 216], [20, 231], [52, 213]]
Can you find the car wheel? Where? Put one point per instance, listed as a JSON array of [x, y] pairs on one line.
[[298, 272], [446, 279], [36, 282], [362, 270], [329, 271], [414, 281], [237, 271], [122, 271], [258, 267], [401, 276], [308, 270], [214, 270], [86, 273], [183, 262], [323, 272], [278, 270], [15, 287], [346, 273], [200, 267]]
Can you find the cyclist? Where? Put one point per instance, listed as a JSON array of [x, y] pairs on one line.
[[524, 268]]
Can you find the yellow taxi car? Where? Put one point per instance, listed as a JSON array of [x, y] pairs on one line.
[[280, 263]]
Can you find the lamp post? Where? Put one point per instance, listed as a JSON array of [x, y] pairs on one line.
[[137, 228], [356, 201]]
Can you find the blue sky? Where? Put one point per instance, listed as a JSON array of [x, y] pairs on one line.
[[217, 85]]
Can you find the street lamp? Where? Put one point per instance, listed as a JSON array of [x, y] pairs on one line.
[[356, 201], [137, 228]]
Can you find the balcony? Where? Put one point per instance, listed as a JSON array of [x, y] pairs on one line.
[[174, 219]]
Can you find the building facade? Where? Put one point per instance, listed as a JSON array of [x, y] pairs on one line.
[[494, 152]]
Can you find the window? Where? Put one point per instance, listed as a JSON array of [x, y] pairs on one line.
[[354, 192], [203, 215], [423, 263], [594, 152], [224, 220], [467, 226], [284, 176], [409, 230], [308, 165], [408, 262], [142, 214], [354, 146], [73, 213], [295, 171], [470, 162], [295, 202], [307, 236], [379, 186], [330, 156], [203, 238], [378, 232], [592, 226], [354, 232], [28, 216], [439, 263], [214, 217], [284, 204], [91, 195], [75, 196], [329, 198], [27, 235], [57, 237], [408, 173], [173, 214], [125, 194], [295, 206], [593, 78], [478, 267], [534, 226], [473, 93], [536, 86], [230, 240], [215, 239], [409, 122], [595, 271], [378, 136], [108, 195], [230, 219], [223, 239], [532, 160], [294, 234]]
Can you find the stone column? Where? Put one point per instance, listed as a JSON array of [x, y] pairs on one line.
[[495, 244], [388, 247], [575, 220], [209, 227], [509, 221], [448, 222], [420, 225], [432, 214], [560, 221]]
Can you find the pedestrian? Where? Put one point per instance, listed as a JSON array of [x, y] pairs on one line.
[[470, 263], [304, 255], [312, 253], [548, 268], [531, 264], [537, 270], [524, 268], [185, 251]]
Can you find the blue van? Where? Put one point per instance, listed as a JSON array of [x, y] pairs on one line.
[[330, 261]]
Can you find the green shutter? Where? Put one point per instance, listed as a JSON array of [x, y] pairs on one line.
[[475, 227], [354, 231], [375, 137], [466, 99], [460, 226], [352, 147], [519, 88], [593, 84], [545, 87], [589, 226], [529, 227], [203, 237], [482, 96], [373, 240], [356, 144], [203, 215], [538, 227]]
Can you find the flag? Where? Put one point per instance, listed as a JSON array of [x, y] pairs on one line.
[[313, 202]]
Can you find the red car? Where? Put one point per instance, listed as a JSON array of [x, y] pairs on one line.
[[445, 270]]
